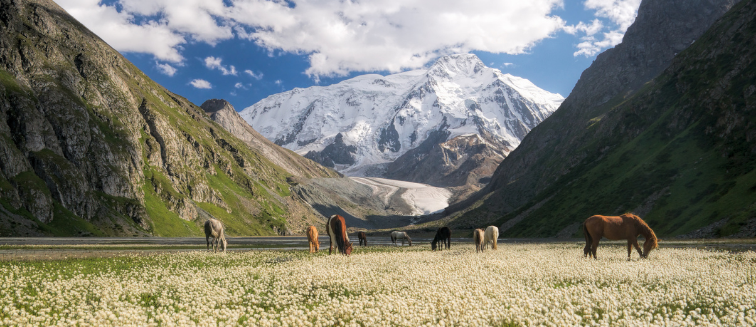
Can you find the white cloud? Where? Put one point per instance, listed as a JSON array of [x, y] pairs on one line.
[[345, 36], [621, 13], [239, 86], [591, 29], [201, 84], [215, 63], [278, 82], [257, 76], [120, 32], [166, 69], [507, 64], [338, 36]]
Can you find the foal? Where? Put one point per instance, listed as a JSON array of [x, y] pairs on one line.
[[363, 238], [443, 235]]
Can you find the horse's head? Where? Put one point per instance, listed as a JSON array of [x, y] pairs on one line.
[[433, 244], [409, 240], [649, 245], [348, 249], [224, 244]]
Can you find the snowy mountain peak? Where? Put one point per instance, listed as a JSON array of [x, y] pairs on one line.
[[462, 64], [368, 121]]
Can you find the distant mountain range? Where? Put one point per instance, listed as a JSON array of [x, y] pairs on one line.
[[449, 125]]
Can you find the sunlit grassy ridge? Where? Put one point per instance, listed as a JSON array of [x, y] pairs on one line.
[[518, 285]]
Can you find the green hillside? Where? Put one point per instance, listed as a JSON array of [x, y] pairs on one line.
[[680, 152], [89, 145]]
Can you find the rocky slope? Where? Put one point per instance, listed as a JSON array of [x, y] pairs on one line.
[[225, 115], [677, 150], [415, 126], [89, 145]]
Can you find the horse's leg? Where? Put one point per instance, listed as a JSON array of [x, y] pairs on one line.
[[207, 239], [629, 249], [594, 246], [330, 246], [637, 247]]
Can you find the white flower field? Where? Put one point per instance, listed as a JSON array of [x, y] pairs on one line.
[[517, 285]]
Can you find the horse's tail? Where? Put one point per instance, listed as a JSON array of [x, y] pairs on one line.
[[588, 238], [338, 233]]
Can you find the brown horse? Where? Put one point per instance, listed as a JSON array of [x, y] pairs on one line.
[[363, 238], [312, 238], [625, 227], [336, 228], [478, 236]]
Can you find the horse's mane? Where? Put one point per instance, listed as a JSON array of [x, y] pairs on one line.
[[645, 230]]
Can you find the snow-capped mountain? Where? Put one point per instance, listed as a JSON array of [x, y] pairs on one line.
[[361, 125]]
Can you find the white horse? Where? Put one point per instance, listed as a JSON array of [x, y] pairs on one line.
[[214, 229], [491, 236], [400, 235]]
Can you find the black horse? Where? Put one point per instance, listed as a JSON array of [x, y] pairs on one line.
[[444, 236], [363, 238]]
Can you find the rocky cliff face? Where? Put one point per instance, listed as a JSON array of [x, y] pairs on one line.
[[225, 115], [90, 145], [666, 148]]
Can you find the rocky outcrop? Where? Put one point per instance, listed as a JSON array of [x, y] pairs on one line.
[[88, 141], [226, 116]]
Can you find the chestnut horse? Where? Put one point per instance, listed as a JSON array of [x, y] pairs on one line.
[[337, 232], [478, 236], [625, 227], [443, 235], [363, 238], [214, 229], [312, 238]]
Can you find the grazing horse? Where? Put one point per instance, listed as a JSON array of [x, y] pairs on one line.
[[214, 229], [478, 239], [443, 235], [400, 235], [312, 238], [336, 228], [625, 227], [363, 238], [491, 236]]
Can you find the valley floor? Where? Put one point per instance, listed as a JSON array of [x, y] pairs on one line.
[[521, 284]]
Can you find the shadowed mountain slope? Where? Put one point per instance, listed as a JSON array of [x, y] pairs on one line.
[[677, 150]]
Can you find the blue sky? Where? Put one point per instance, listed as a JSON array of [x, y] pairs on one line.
[[246, 50]]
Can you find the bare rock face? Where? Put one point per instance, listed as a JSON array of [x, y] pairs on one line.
[[89, 144]]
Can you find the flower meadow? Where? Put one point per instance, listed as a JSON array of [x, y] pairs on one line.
[[517, 285]]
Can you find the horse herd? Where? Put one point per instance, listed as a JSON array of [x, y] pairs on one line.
[[624, 227]]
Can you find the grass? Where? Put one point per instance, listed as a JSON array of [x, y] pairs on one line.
[[163, 221]]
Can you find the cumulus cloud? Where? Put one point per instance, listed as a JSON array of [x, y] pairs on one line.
[[215, 63], [391, 35], [239, 85], [338, 36], [201, 84], [257, 76], [166, 69], [119, 30], [620, 12]]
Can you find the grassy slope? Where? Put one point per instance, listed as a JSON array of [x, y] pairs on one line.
[[251, 186], [671, 149]]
